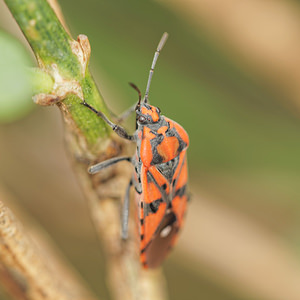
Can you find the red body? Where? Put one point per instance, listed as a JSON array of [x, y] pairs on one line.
[[161, 179]]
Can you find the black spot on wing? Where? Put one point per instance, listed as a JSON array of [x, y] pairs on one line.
[[151, 208], [180, 192], [154, 205], [173, 182]]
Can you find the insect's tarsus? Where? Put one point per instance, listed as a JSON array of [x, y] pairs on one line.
[[159, 47]]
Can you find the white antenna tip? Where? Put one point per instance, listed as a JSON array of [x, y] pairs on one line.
[[163, 40]]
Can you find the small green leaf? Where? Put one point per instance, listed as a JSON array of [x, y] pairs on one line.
[[41, 82]]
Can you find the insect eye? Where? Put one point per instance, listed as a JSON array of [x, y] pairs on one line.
[[142, 119]]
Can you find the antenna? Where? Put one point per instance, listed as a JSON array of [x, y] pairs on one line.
[[139, 92], [159, 47]]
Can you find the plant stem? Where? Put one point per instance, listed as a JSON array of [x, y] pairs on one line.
[[88, 138], [53, 47], [24, 271]]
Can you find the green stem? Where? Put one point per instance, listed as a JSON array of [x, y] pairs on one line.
[[52, 45]]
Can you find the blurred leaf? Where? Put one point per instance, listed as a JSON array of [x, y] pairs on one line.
[[15, 87]]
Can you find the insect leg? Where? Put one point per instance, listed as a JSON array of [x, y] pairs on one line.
[[98, 167], [116, 128], [130, 110], [125, 212], [126, 114]]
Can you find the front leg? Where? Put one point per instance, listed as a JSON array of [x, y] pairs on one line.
[[120, 131]]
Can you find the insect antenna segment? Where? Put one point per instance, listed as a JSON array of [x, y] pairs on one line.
[[159, 47], [139, 92]]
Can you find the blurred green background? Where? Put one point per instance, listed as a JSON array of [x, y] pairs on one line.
[[233, 84]]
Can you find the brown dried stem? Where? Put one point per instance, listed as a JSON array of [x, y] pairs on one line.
[[30, 268]]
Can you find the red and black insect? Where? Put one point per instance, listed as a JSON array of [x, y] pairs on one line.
[[160, 177]]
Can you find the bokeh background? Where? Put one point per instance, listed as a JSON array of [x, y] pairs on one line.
[[230, 74]]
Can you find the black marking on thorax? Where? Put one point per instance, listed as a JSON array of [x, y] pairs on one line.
[[170, 132]]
